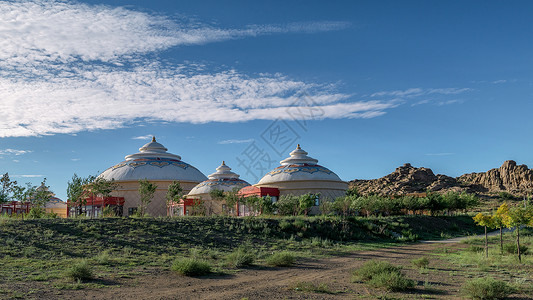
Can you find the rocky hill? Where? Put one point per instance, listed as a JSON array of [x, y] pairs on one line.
[[407, 179]]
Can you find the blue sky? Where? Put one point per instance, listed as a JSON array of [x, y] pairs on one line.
[[364, 86]]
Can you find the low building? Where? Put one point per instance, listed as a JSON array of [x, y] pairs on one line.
[[300, 174], [224, 180], [155, 164]]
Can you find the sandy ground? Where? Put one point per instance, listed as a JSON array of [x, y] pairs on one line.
[[443, 278], [278, 283]]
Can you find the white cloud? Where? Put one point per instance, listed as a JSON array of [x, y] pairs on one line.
[[67, 67], [439, 154], [143, 137], [416, 92], [27, 176], [224, 142], [13, 152], [75, 159]]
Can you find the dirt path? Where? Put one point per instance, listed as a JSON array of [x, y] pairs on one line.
[[276, 283]]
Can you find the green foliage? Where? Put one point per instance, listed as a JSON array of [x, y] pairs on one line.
[[511, 249], [505, 196], [381, 274], [241, 257], [146, 192], [174, 192], [281, 259], [373, 268], [80, 271], [421, 262], [393, 281], [288, 205], [77, 189], [191, 267], [486, 288]]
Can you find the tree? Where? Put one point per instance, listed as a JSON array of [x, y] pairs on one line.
[[146, 192], [516, 217], [232, 199], [305, 203], [288, 205], [498, 221], [486, 221], [6, 188], [174, 193], [217, 195], [77, 190], [100, 186]]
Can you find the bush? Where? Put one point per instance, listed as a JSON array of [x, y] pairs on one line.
[[191, 267], [312, 288], [373, 268], [421, 262], [394, 281], [241, 257], [486, 288], [511, 249], [474, 248], [80, 271], [281, 259]]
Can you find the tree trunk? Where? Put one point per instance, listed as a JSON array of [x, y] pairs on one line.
[[486, 243], [518, 243], [501, 241]]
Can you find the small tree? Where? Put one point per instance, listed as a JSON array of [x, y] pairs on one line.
[[174, 193], [288, 205], [232, 199], [6, 188], [486, 221], [516, 217], [77, 190], [306, 202], [498, 221], [146, 192], [100, 186]]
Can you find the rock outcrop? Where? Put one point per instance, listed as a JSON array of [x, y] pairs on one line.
[[510, 177], [406, 180]]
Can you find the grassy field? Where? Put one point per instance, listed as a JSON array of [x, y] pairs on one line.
[[44, 250]]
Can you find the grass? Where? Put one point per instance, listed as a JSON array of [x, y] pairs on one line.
[[43, 249], [191, 267], [381, 274], [80, 271], [241, 257], [486, 289], [281, 259], [421, 262]]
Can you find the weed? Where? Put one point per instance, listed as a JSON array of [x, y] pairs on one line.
[[512, 249], [421, 262], [475, 249], [242, 257], [191, 267], [80, 271], [281, 259], [104, 258], [486, 288], [372, 268]]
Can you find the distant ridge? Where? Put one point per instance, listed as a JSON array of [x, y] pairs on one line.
[[510, 177]]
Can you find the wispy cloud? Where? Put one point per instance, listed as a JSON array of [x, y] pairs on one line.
[[92, 67], [143, 137], [417, 92], [27, 176], [13, 152], [439, 154], [75, 159], [224, 142]]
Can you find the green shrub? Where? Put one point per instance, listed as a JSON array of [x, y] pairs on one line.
[[421, 262], [393, 281], [511, 249], [80, 271], [486, 288], [281, 259], [372, 268], [284, 225], [474, 248], [241, 257], [104, 258], [191, 267]]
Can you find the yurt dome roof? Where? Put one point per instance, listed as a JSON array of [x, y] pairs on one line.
[[223, 179], [153, 162], [299, 167]]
